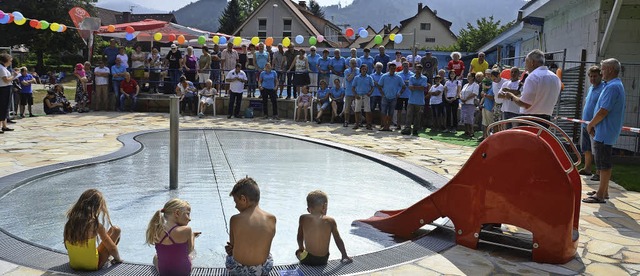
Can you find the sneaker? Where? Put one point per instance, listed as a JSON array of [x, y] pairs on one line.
[[317, 121], [369, 127], [266, 117], [200, 115], [595, 177], [276, 118], [21, 116], [415, 133], [356, 126], [583, 172]]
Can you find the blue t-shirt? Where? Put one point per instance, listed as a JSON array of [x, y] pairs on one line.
[[391, 85], [590, 102], [405, 77], [384, 60], [268, 79], [322, 93], [488, 103], [338, 66], [313, 62], [612, 99], [118, 70], [261, 59], [111, 54], [417, 96], [337, 92], [349, 83], [363, 84], [376, 78], [369, 62], [323, 64], [25, 89]]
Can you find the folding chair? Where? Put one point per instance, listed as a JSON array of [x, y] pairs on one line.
[[205, 107], [295, 108]]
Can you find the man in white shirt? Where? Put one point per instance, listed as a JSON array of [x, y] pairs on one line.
[[236, 79], [509, 108], [102, 86], [541, 89]]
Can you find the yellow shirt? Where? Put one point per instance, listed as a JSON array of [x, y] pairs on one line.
[[477, 67], [83, 257]]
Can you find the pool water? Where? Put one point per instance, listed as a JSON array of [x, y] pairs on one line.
[[286, 169]]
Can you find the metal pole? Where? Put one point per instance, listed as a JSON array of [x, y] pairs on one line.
[[174, 128]]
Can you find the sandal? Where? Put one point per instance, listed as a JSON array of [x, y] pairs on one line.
[[593, 193], [583, 172], [593, 199]]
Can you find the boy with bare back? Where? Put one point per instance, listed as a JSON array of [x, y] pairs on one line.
[[315, 230], [250, 232]]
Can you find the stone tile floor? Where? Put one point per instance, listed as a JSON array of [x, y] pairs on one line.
[[609, 233]]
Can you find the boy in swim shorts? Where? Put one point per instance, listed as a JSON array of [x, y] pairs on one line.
[[315, 230]]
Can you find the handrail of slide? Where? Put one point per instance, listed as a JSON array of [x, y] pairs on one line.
[[529, 120]]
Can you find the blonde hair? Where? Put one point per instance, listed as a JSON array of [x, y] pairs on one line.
[[156, 225], [84, 217], [316, 198]]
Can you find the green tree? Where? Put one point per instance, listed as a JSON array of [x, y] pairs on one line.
[[43, 42], [230, 19], [315, 8], [247, 7], [473, 37]]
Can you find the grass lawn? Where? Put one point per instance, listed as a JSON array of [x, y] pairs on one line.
[[627, 175], [70, 93], [457, 139]]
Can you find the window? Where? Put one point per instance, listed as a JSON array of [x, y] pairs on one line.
[[262, 28], [425, 26], [430, 39], [286, 29]]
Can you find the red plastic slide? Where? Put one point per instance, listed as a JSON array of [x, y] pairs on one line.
[[521, 177]]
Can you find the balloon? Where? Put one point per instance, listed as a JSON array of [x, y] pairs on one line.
[[223, 40], [398, 39], [2, 14], [20, 22], [157, 36], [4, 20], [129, 37], [286, 42], [44, 25], [11, 18], [129, 29], [505, 74], [33, 23], [320, 38], [349, 32], [237, 41], [181, 39], [360, 29], [299, 39], [54, 27], [313, 40], [111, 28], [172, 37], [202, 40], [63, 28], [377, 39], [392, 37], [363, 33], [17, 16], [216, 39], [269, 41], [255, 40]]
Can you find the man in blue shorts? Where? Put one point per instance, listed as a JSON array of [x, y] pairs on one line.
[[362, 88], [595, 78], [606, 125], [391, 86]]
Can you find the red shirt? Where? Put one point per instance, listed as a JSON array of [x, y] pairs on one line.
[[129, 87], [458, 66]]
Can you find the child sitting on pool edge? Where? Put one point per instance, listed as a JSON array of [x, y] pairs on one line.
[[250, 232], [315, 230]]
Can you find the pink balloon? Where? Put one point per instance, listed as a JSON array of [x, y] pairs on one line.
[[320, 38]]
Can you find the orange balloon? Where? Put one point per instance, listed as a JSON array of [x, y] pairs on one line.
[[64, 28], [505, 74], [111, 28], [181, 39], [269, 41]]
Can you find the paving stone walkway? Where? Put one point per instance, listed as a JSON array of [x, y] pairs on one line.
[[609, 233]]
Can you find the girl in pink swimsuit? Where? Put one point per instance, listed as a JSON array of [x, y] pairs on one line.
[[173, 239]]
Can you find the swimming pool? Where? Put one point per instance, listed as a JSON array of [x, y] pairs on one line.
[[286, 169]]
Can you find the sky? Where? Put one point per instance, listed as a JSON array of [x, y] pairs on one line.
[[177, 4]]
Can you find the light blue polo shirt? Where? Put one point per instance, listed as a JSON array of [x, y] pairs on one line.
[[322, 93], [369, 62], [261, 59], [313, 62], [348, 84], [613, 100], [405, 77], [417, 96], [118, 70], [268, 79], [363, 84], [376, 79], [590, 102], [488, 103], [337, 92], [339, 65], [324, 64], [391, 85]]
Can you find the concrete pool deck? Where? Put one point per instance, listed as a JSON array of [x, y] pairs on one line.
[[609, 233]]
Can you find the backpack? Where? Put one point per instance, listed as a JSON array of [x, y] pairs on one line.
[[248, 113]]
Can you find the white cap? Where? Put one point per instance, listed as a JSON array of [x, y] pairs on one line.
[[174, 46]]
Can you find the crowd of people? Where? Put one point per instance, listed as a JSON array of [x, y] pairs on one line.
[[92, 240]]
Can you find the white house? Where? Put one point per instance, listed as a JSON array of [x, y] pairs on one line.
[[285, 18], [430, 30]]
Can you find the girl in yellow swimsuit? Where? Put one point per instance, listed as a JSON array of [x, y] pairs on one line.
[[85, 223]]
